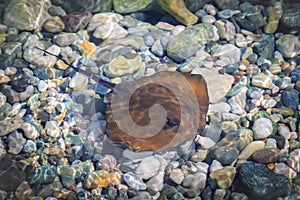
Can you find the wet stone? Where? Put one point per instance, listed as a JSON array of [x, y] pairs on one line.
[[262, 128], [186, 43], [225, 155], [282, 168], [54, 25], [29, 16], [258, 181], [23, 191], [11, 176], [288, 45], [64, 39], [266, 155], [42, 175], [134, 181], [250, 149], [294, 160], [148, 167], [290, 98], [76, 21], [15, 142], [224, 177]]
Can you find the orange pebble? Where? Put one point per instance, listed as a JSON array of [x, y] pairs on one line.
[[271, 165]]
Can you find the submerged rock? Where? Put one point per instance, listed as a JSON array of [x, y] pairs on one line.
[[26, 14], [186, 43], [259, 182]]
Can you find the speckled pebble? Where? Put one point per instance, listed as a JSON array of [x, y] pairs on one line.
[[134, 181], [224, 177]]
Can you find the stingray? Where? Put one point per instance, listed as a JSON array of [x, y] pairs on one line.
[[154, 113]]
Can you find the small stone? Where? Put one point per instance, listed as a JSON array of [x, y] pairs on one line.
[[226, 30], [271, 143], [64, 39], [42, 86], [199, 155], [186, 43], [78, 82], [11, 176], [262, 128], [27, 93], [258, 181], [284, 169], [228, 53], [23, 190], [291, 17], [238, 196], [290, 98], [29, 146], [294, 160], [97, 179], [262, 80], [53, 129], [204, 142], [208, 19], [134, 181], [42, 175], [219, 194], [121, 66], [15, 142], [288, 45], [148, 167], [224, 177], [250, 149], [177, 176], [76, 21], [225, 155], [54, 25], [110, 30], [156, 183], [5, 110], [266, 155], [103, 18], [215, 165], [29, 131], [274, 15], [284, 131]]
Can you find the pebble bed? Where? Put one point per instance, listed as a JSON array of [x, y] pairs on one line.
[[52, 123]]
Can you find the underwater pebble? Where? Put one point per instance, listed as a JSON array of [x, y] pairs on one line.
[[15, 142], [148, 167], [294, 160], [224, 177], [53, 129], [250, 149], [134, 181], [262, 128]]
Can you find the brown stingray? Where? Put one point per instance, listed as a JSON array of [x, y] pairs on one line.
[[150, 94], [185, 108]]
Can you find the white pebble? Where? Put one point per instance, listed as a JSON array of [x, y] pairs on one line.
[[262, 128]]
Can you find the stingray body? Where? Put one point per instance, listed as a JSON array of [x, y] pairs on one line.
[[183, 97], [183, 118]]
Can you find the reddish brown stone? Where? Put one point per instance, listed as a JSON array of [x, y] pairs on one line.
[[76, 21]]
